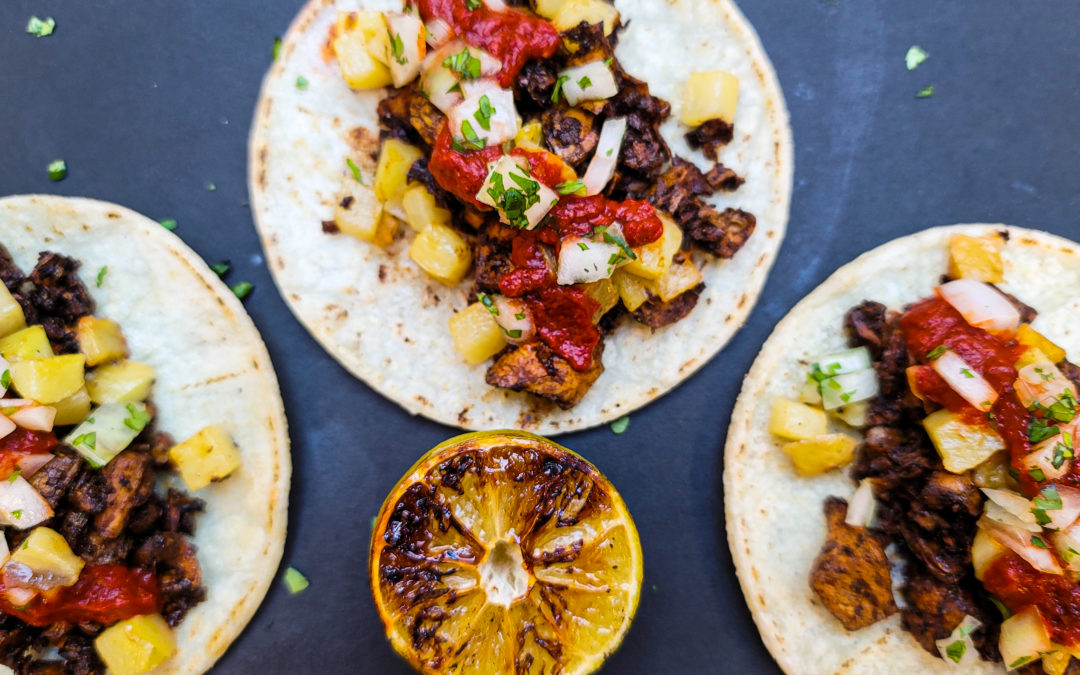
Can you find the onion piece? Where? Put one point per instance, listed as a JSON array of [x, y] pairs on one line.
[[959, 649], [1042, 383], [20, 504], [5, 553], [602, 166], [1067, 543], [6, 426], [1057, 449], [862, 508], [842, 390], [516, 330], [514, 177], [405, 48], [35, 417], [981, 305], [19, 597], [965, 381], [591, 81], [496, 5], [583, 261], [485, 104], [1017, 505], [1065, 517], [437, 32], [1022, 543], [1001, 515], [31, 464]]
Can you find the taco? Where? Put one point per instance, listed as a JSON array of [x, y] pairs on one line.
[[144, 463], [901, 487], [505, 216]]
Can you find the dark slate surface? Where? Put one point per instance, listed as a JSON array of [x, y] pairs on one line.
[[149, 102]]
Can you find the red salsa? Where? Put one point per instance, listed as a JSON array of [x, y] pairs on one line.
[[1019, 585], [564, 322], [104, 593], [22, 443], [582, 215], [511, 36], [460, 173]]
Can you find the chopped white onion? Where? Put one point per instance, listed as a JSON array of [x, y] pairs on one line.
[[602, 166], [965, 380], [31, 464], [485, 104], [1042, 383], [847, 361], [1016, 505], [862, 508], [999, 514], [19, 597], [591, 81], [583, 261], [20, 504], [437, 32], [1046, 453], [515, 319], [496, 5], [440, 84], [848, 388], [1065, 517], [35, 417], [1067, 543], [981, 305], [1022, 543], [511, 176], [959, 649], [405, 48], [6, 426]]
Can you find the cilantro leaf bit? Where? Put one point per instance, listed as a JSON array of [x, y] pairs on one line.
[[915, 56], [617, 239], [41, 27], [471, 140], [355, 170], [966, 372], [936, 353], [488, 303], [1005, 611], [277, 48], [301, 83], [101, 275], [1048, 499], [87, 440], [242, 289], [484, 113], [17, 513], [220, 268], [925, 92], [1037, 475], [168, 223], [563, 79], [1037, 541], [570, 187], [464, 64], [620, 425], [14, 475], [1039, 430], [57, 170], [397, 48], [473, 5], [514, 202], [5, 379], [295, 582], [956, 651], [137, 419], [584, 82]]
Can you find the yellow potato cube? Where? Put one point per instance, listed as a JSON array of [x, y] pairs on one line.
[[73, 409], [120, 382], [136, 645], [100, 340], [476, 334], [796, 421], [653, 259], [11, 314], [529, 136], [359, 41], [28, 343], [1032, 356], [548, 8], [710, 95], [421, 209], [47, 553], [818, 455], [605, 293], [1056, 661], [208, 456], [632, 290], [49, 380], [358, 214], [977, 258], [962, 446], [1023, 637], [678, 278], [984, 550], [392, 171], [1033, 339], [442, 253], [572, 12]]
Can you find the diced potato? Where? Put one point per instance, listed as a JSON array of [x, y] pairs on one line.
[[573, 12], [359, 214], [28, 343], [47, 553], [392, 170], [421, 209], [120, 382], [1056, 662], [632, 289], [984, 550], [442, 253], [100, 340], [653, 259], [977, 258], [73, 409], [208, 456], [1031, 356], [605, 293], [1033, 339], [49, 380], [852, 414], [820, 454], [994, 473], [678, 278], [710, 95], [548, 8], [961, 445], [360, 42], [1023, 638], [11, 314], [796, 421], [136, 645], [529, 136], [476, 334]]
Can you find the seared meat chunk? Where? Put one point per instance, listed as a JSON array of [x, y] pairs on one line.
[[59, 299], [424, 117], [865, 324], [16, 641], [722, 178], [851, 573], [129, 482], [534, 368], [644, 151], [935, 608], [710, 137], [940, 524], [1070, 371], [173, 557], [395, 120], [894, 458], [420, 173], [657, 313], [570, 133], [535, 84], [585, 43], [492, 255], [10, 274], [54, 479], [721, 233], [679, 187]]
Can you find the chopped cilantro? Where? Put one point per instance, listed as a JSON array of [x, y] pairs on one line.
[[301, 83], [584, 82], [57, 170], [583, 246], [484, 113], [355, 170], [277, 48], [1048, 499], [40, 27], [168, 223], [487, 302], [1040, 517], [470, 141], [17, 514], [464, 64], [936, 353], [1037, 541], [617, 239], [520, 317], [137, 419], [397, 48], [1019, 662], [220, 268], [514, 334], [915, 56], [1005, 611], [570, 187], [925, 92], [242, 289], [295, 581], [5, 379], [563, 79], [514, 202], [609, 60], [620, 425], [473, 4], [967, 373], [101, 275], [88, 440], [1037, 475], [1039, 430], [14, 475], [956, 651]]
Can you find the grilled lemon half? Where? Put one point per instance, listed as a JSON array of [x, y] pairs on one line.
[[502, 552]]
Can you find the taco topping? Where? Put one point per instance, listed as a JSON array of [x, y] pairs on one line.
[[94, 559], [967, 465], [515, 145]]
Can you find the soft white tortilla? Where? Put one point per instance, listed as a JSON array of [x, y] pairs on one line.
[[775, 518], [212, 368], [385, 320]]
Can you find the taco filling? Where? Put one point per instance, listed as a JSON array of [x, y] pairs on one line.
[[96, 567], [968, 482], [525, 158]]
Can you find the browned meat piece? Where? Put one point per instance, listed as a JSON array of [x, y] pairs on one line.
[[644, 150], [72, 525], [180, 510], [679, 187], [940, 524], [865, 324], [420, 173], [80, 657], [936, 608], [656, 313], [710, 136], [1071, 371], [394, 118], [173, 558], [88, 492], [722, 178], [570, 134], [851, 573], [425, 118], [1027, 312], [54, 479], [10, 274], [894, 458], [634, 98], [585, 43], [720, 233], [16, 641], [535, 369], [492, 255], [97, 550], [129, 481], [60, 299], [535, 84]]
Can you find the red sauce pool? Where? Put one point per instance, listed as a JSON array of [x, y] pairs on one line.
[[582, 215], [1017, 584], [563, 317], [460, 173], [22, 443], [104, 593]]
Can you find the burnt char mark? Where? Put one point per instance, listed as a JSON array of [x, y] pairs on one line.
[[656, 313], [58, 300], [535, 85], [534, 368], [571, 134], [172, 557], [710, 137]]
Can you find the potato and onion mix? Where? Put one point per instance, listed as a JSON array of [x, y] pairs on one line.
[[986, 530], [94, 562], [514, 146]]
